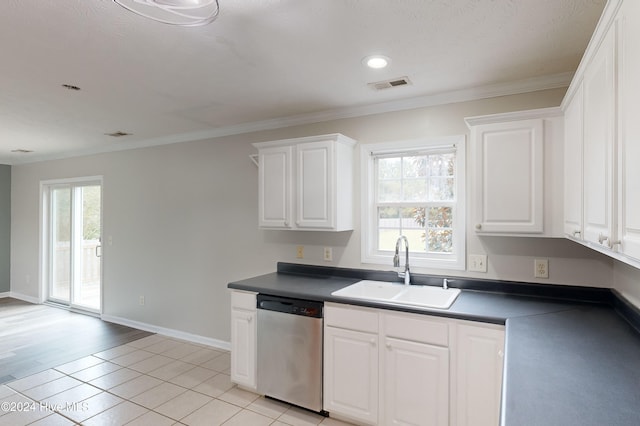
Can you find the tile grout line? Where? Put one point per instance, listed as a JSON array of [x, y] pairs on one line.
[[69, 375], [247, 407]]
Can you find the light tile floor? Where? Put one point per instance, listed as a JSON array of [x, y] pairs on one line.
[[153, 381]]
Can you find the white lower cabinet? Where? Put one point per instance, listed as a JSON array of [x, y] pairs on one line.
[[243, 339], [351, 374], [416, 384], [392, 368], [478, 360]]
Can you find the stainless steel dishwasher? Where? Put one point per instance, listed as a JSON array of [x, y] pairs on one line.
[[290, 350]]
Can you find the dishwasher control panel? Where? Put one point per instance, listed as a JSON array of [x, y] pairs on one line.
[[286, 305]]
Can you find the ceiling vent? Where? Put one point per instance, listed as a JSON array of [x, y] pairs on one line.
[[118, 134], [71, 87], [387, 84]]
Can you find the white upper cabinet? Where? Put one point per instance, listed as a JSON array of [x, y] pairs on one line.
[[606, 87], [316, 185], [513, 155], [629, 136], [599, 138], [573, 124], [275, 187], [306, 183]]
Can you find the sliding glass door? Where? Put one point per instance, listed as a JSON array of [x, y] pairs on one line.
[[74, 248]]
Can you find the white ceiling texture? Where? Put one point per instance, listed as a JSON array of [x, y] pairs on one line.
[[262, 64]]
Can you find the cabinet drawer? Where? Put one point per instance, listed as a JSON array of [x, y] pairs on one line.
[[351, 318], [417, 328], [243, 300]]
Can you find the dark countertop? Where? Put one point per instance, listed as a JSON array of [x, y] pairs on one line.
[[566, 362]]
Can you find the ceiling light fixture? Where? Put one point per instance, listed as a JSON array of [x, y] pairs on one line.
[[186, 13], [376, 61]]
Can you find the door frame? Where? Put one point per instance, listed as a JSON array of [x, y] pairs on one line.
[[44, 235]]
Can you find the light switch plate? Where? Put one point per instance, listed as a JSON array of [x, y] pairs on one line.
[[477, 263]]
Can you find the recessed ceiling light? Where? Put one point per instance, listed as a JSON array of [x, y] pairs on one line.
[[376, 61]]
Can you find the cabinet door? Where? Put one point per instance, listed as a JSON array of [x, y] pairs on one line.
[[416, 384], [509, 161], [599, 121], [573, 166], [351, 374], [316, 186], [479, 363], [629, 148], [243, 348], [275, 177]]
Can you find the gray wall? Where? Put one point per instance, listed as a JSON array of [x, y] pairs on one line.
[[5, 226], [183, 220]]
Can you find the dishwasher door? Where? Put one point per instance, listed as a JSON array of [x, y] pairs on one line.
[[290, 351]]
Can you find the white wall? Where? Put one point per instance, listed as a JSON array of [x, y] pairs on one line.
[[627, 281], [183, 219], [5, 226]]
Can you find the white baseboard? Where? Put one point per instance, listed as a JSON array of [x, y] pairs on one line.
[[5, 294], [220, 344], [24, 297]]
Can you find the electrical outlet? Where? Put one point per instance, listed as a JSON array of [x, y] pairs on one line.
[[478, 263], [300, 252], [141, 301], [541, 268], [328, 254]]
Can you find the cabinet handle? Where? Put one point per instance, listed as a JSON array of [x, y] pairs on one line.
[[500, 353], [478, 226], [602, 238], [286, 223], [577, 234], [610, 244], [373, 342], [388, 345], [249, 319]]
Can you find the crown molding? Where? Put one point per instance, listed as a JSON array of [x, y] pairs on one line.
[[529, 85], [514, 116]]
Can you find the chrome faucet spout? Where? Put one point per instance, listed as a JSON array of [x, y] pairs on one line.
[[396, 260]]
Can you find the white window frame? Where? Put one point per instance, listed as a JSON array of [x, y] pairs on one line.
[[369, 231]]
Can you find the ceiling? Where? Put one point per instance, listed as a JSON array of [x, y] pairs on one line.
[[263, 64]]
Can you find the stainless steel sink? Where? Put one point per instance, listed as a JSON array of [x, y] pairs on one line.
[[398, 294]]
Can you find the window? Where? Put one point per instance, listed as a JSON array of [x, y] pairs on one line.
[[415, 189]]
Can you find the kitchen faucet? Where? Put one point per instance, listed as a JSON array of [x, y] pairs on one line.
[[396, 260]]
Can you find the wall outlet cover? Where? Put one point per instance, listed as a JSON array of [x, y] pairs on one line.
[[328, 254], [541, 268], [477, 263], [300, 252]]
